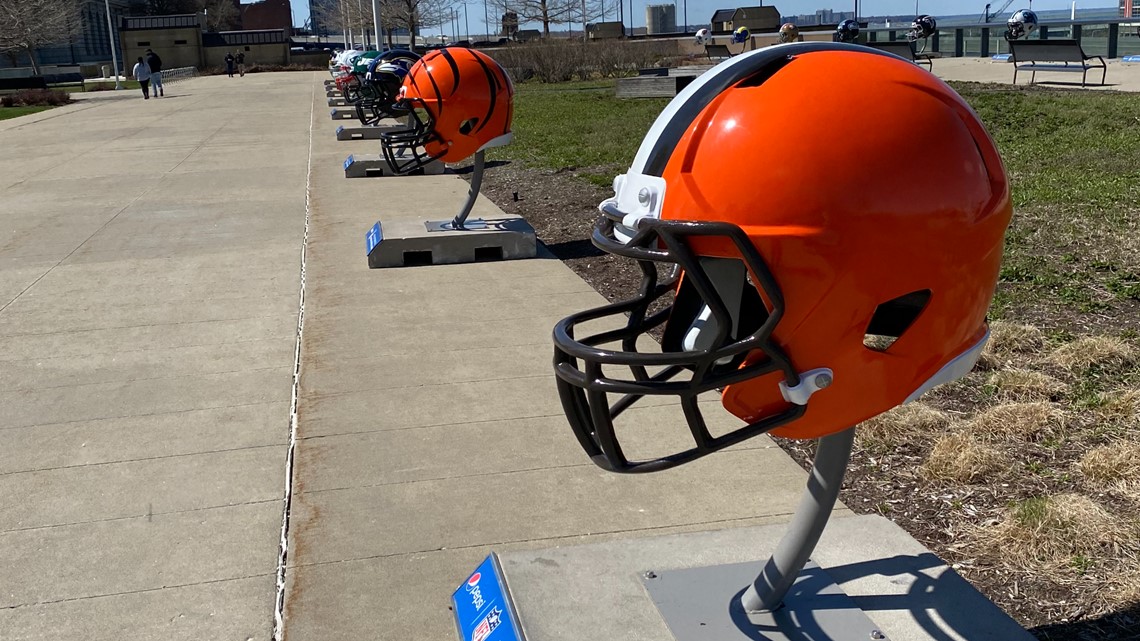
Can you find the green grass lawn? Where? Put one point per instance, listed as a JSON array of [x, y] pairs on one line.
[[1073, 158], [13, 112]]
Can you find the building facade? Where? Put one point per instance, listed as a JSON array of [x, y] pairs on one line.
[[91, 45]]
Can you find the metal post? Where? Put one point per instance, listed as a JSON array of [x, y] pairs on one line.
[[1113, 37], [780, 572], [985, 44], [111, 39], [472, 193], [376, 23], [486, 21], [466, 25]]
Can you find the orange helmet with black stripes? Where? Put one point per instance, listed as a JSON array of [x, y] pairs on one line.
[[460, 102]]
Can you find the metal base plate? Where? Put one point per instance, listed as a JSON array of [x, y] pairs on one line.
[[703, 604], [343, 113], [374, 166], [338, 102], [364, 133]]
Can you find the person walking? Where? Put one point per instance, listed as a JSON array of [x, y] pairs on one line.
[[141, 72], [155, 64], [241, 63], [230, 63]]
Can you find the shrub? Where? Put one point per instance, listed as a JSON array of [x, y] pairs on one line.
[[560, 61], [36, 98]]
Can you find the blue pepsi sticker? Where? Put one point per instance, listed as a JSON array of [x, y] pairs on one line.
[[348, 162], [1001, 57], [483, 609], [332, 112], [339, 129], [1130, 59], [373, 238]]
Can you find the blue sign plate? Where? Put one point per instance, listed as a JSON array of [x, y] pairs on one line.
[[339, 129], [348, 162], [483, 608], [373, 238], [1130, 59]]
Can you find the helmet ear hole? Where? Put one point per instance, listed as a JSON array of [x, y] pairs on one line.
[[892, 318], [467, 126]]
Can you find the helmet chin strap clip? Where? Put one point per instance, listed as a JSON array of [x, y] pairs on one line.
[[811, 382]]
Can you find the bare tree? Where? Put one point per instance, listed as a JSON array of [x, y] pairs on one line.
[[26, 25], [547, 12], [413, 15], [221, 15]]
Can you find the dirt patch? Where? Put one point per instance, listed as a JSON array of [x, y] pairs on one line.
[[890, 473]]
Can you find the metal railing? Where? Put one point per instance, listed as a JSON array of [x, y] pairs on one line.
[[1111, 39], [179, 73]]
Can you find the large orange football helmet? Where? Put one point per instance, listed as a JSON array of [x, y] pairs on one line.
[[811, 290], [460, 101]]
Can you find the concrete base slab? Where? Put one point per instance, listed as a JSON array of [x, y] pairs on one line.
[[364, 133], [908, 592], [330, 83], [333, 92], [406, 243], [338, 101], [343, 113], [374, 166]]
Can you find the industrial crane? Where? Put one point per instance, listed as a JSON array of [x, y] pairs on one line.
[[988, 17]]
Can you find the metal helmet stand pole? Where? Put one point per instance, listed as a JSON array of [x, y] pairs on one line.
[[768, 590], [472, 193]]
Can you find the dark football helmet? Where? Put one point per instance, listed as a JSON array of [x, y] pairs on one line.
[[923, 27], [848, 31]]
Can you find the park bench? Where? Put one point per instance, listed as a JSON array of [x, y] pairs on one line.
[[41, 82], [25, 82], [905, 50], [717, 51], [1053, 55], [64, 79]]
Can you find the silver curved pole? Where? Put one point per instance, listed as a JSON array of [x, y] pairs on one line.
[[780, 572], [472, 193]]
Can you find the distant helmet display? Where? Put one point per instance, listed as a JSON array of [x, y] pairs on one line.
[[802, 309], [703, 36], [923, 27], [460, 101], [741, 35], [788, 33], [380, 92], [848, 31], [1020, 24]]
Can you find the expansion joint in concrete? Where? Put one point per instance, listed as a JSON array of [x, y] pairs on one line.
[[287, 500]]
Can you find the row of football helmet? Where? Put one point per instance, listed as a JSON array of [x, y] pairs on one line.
[[803, 309]]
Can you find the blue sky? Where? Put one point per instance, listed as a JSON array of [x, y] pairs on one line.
[[699, 10]]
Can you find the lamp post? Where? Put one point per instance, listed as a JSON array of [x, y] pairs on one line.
[[466, 25], [376, 23], [111, 39]]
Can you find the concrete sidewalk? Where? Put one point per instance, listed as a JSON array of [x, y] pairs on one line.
[[149, 283]]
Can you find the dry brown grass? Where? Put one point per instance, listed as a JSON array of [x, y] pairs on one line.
[[1049, 534], [1024, 421], [1110, 464], [1105, 351], [894, 426], [1008, 339], [1025, 385], [961, 458], [1122, 408]]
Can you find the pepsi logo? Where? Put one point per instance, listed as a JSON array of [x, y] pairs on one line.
[[474, 580]]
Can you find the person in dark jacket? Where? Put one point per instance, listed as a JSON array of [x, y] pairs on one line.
[[241, 63], [230, 64], [155, 64]]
